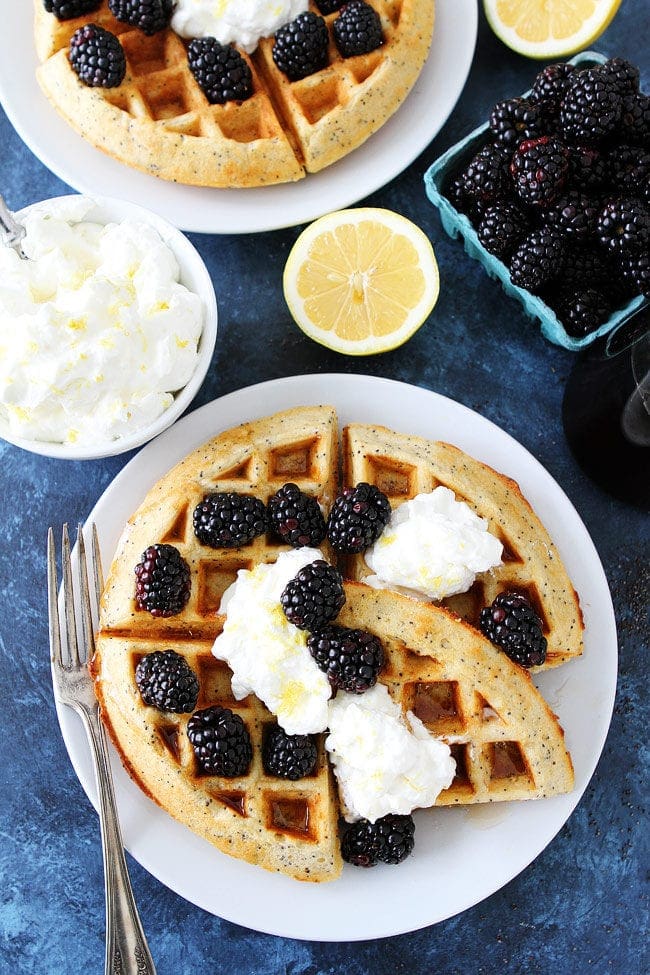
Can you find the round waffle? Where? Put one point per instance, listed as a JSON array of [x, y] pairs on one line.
[[506, 741], [158, 120]]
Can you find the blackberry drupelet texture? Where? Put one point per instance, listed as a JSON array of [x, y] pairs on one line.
[[502, 228], [220, 741], [352, 659], [314, 597], [288, 756], [162, 581], [540, 169], [229, 520], [296, 517], [581, 311], [538, 259], [574, 214], [357, 29], [390, 839], [357, 518], [97, 57], [549, 87], [485, 180], [623, 227], [591, 107], [167, 682], [516, 119], [149, 16], [220, 71], [513, 625], [69, 9], [300, 47]]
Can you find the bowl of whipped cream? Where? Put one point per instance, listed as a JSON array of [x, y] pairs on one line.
[[107, 329]]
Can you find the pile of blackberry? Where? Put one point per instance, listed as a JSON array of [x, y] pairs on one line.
[[561, 192]]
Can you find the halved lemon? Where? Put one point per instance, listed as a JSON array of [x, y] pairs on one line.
[[361, 281], [549, 28]]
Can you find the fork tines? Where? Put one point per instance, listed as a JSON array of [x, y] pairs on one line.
[[78, 652]]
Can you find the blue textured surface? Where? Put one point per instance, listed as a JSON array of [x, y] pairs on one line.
[[582, 905]]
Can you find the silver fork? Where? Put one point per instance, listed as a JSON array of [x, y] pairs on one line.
[[127, 952]]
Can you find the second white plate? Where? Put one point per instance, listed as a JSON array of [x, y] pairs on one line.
[[386, 154], [461, 855]]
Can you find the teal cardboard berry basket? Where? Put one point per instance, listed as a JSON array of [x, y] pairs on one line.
[[457, 225]]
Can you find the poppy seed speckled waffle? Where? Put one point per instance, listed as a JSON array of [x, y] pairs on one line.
[[278, 824], [158, 120], [402, 466], [506, 741]]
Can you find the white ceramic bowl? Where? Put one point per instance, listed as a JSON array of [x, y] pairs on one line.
[[195, 276]]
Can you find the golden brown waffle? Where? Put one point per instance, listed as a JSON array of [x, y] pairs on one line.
[[159, 120], [271, 822], [403, 466], [506, 741]]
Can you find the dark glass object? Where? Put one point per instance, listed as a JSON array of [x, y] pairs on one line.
[[606, 411]]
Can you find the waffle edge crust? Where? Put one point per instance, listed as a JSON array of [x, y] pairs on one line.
[[159, 121], [506, 741]]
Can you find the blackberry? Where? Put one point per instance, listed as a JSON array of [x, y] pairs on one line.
[[538, 259], [513, 625], [485, 180], [587, 168], [329, 6], [501, 228], [357, 29], [357, 518], [220, 741], [149, 16], [581, 312], [162, 581], [540, 168], [574, 214], [623, 227], [388, 840], [69, 9], [624, 74], [515, 119], [629, 167], [300, 47], [97, 57], [584, 264], [296, 517], [591, 107], [314, 597], [634, 127], [351, 659], [167, 682], [636, 272], [220, 71], [228, 520], [288, 756], [550, 85]]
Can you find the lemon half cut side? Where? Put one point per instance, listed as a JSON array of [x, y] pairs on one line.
[[361, 281], [549, 28]]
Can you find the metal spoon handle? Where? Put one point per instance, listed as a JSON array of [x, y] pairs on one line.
[[12, 232]]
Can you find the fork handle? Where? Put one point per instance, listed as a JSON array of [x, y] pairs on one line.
[[127, 952]]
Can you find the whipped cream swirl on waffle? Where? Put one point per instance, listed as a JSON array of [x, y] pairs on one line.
[[384, 763], [433, 546], [240, 22], [267, 654]]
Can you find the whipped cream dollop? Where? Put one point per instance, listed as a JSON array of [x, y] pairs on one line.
[[240, 22], [432, 546], [267, 654], [96, 332], [384, 762]]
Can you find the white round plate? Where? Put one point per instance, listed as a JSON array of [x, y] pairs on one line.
[[461, 855], [372, 165]]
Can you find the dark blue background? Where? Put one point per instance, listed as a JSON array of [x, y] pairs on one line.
[[582, 905]]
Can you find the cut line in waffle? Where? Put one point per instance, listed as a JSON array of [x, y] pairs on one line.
[[506, 741], [158, 120], [403, 466]]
